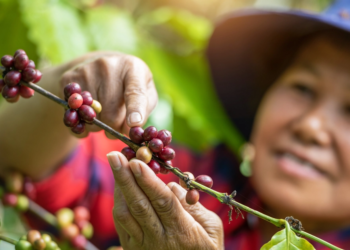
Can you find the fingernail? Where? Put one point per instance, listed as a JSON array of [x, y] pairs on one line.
[[135, 117], [114, 160], [135, 168]]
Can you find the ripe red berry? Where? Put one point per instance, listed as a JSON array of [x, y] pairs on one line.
[[129, 153], [26, 92], [12, 78], [19, 51], [21, 61], [10, 92], [71, 89], [80, 128], [150, 133], [170, 163], [71, 118], [165, 136], [192, 196], [10, 199], [164, 170], [75, 101], [205, 180], [154, 166], [81, 214], [29, 189], [87, 113], [28, 74], [2, 84], [31, 64], [167, 154], [79, 242], [38, 76], [7, 61], [156, 145], [13, 99], [136, 134], [87, 93], [87, 98], [69, 232]]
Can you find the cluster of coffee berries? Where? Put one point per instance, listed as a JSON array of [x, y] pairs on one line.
[[34, 240], [16, 191], [82, 108], [18, 67], [74, 225], [192, 195], [154, 142]]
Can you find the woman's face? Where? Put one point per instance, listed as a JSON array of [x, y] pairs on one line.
[[302, 139]]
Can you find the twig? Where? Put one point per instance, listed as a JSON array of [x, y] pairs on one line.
[[7, 239]]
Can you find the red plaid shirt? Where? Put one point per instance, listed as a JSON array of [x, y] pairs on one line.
[[85, 178]]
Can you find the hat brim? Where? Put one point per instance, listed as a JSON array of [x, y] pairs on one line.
[[249, 49]]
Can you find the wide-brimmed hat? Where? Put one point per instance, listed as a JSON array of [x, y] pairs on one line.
[[249, 49]]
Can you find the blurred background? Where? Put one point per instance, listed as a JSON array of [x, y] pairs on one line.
[[169, 35]]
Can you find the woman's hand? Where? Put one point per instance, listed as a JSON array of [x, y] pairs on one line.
[[149, 214]]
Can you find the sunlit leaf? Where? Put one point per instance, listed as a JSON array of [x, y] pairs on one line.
[[286, 239]]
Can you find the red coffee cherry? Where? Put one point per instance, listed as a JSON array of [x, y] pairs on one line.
[[79, 129], [28, 74], [87, 93], [29, 189], [71, 89], [12, 78], [10, 92], [26, 92], [87, 98], [136, 134], [182, 183], [21, 61], [79, 242], [2, 84], [205, 180], [69, 232], [156, 145], [71, 118], [13, 99], [10, 199], [165, 136], [81, 214], [7, 61], [150, 133], [33, 235], [87, 113], [31, 64], [19, 51], [164, 170], [154, 166], [37, 77], [129, 153], [167, 154], [144, 154], [75, 101], [192, 196]]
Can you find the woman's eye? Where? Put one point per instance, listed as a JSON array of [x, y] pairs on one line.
[[303, 89]]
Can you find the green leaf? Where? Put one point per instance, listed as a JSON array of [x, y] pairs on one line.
[[55, 28], [286, 239]]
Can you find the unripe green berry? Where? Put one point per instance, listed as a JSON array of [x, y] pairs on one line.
[[23, 245], [87, 230], [65, 217], [51, 246], [39, 244], [46, 238], [22, 203]]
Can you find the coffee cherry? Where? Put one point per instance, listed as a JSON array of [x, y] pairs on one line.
[[96, 106], [144, 154], [170, 163], [87, 229], [164, 170], [65, 217], [51, 246], [154, 166], [37, 77], [87, 113], [71, 118], [87, 98], [192, 196], [205, 180], [13, 99], [23, 245], [7, 61], [14, 182], [29, 189], [167, 154], [12, 78], [19, 51], [75, 101], [71, 89], [39, 244], [28, 74], [26, 92], [22, 203], [136, 134], [182, 183], [79, 242], [165, 136], [10, 199], [31, 64], [150, 133], [129, 153], [81, 213], [69, 232], [156, 145], [2, 84], [46, 238], [21, 61], [79, 129], [33, 235]]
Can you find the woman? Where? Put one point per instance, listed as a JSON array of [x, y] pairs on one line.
[[297, 62]]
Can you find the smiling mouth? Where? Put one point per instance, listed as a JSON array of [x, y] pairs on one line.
[[295, 166]]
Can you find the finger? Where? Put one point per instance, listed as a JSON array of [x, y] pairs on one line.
[[122, 216], [137, 78], [137, 202], [164, 202]]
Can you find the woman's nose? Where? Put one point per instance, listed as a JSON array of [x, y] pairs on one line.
[[310, 128]]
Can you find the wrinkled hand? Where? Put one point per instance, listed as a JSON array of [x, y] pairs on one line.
[[149, 214], [123, 85]]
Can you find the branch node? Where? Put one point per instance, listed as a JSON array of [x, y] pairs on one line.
[[294, 223], [226, 200]]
